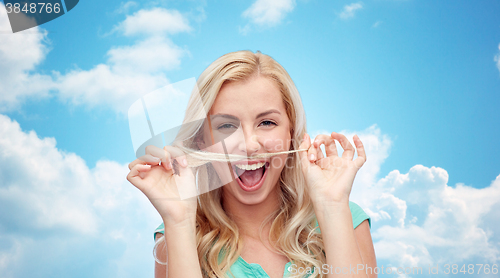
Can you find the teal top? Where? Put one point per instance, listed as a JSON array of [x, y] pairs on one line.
[[242, 269]]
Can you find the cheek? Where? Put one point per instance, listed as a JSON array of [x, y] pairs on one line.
[[216, 148], [277, 143], [278, 162], [224, 172]]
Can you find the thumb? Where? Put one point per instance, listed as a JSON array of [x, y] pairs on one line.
[[306, 144], [185, 181]]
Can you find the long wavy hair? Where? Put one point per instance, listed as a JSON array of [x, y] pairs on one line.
[[294, 231]]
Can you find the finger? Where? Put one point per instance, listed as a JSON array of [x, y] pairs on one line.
[[167, 160], [133, 163], [361, 159], [145, 159], [318, 141], [329, 142], [312, 153], [346, 145], [149, 159], [317, 144], [306, 144], [184, 179], [320, 153], [173, 151], [165, 155], [183, 166], [322, 161], [181, 160], [155, 151], [133, 176]]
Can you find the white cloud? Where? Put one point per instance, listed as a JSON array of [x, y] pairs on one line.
[[265, 13], [19, 56], [497, 58], [125, 7], [52, 205], [156, 21], [106, 86], [349, 10], [417, 218], [150, 55], [129, 72], [431, 222]]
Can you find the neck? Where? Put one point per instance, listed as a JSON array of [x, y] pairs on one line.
[[249, 218]]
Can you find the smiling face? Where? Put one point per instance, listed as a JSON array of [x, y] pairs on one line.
[[251, 118]]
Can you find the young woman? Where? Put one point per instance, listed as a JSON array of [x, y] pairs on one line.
[[281, 216]]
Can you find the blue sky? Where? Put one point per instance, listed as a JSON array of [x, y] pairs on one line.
[[419, 81]]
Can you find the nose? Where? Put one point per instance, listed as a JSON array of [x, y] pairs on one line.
[[250, 144]]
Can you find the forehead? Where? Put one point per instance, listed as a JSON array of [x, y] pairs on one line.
[[248, 97]]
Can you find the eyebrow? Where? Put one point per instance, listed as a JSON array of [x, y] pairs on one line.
[[224, 116], [268, 112], [235, 118]]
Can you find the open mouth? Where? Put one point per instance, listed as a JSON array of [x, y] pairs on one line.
[[250, 177]]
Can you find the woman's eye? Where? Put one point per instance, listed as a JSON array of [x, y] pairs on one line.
[[268, 123], [225, 126]]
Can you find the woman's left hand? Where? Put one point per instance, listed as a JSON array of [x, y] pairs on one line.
[[330, 178]]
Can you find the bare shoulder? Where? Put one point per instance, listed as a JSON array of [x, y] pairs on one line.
[[363, 229], [365, 244]]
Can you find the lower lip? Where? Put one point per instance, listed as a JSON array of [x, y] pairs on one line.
[[255, 187]]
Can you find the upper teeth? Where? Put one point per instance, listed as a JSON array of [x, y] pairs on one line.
[[250, 166]]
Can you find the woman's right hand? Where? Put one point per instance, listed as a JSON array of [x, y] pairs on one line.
[[159, 183]]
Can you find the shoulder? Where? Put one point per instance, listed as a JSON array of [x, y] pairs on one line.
[[358, 215]]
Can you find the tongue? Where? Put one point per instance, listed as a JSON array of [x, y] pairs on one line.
[[252, 177]]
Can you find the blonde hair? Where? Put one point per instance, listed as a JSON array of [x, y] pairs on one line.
[[294, 232]]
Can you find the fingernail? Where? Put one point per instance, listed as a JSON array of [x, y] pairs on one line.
[[184, 162], [312, 156], [157, 159], [147, 165]]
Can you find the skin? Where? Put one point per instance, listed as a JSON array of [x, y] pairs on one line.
[[330, 179], [362, 235], [268, 133], [328, 176]]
